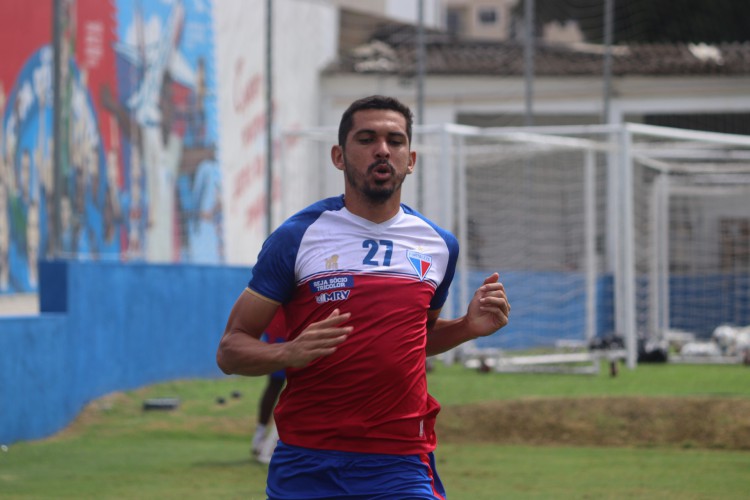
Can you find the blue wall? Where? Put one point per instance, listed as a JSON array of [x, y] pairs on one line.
[[699, 304], [547, 306], [107, 327]]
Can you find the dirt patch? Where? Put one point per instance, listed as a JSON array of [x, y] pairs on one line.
[[682, 422], [718, 423]]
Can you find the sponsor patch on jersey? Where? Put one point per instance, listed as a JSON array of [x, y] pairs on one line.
[[420, 262], [335, 295], [332, 283]]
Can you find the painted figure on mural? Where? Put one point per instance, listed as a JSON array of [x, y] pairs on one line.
[[112, 207], [79, 156], [161, 113], [43, 162], [135, 206], [157, 153], [32, 200], [162, 148], [21, 211], [206, 223], [32, 241]]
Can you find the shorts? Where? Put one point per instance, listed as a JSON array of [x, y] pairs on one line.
[[296, 472]]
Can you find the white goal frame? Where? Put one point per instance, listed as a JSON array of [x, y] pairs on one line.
[[613, 216]]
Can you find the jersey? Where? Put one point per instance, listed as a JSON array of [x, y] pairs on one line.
[[276, 330], [275, 333], [370, 395]]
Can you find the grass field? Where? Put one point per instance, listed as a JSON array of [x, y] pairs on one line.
[[115, 450]]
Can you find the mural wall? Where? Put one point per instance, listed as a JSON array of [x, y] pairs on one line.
[[144, 170], [138, 173]]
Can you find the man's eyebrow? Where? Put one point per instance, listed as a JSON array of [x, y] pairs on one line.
[[364, 131], [367, 131]]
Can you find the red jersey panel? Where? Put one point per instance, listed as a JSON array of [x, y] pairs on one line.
[[371, 394]]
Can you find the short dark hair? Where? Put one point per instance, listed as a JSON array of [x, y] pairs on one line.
[[373, 102]]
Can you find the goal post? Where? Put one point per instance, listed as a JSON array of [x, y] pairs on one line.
[[692, 231], [585, 224]]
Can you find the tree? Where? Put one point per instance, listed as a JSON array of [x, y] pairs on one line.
[[651, 21]]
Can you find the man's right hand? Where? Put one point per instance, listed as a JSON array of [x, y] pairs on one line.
[[319, 339]]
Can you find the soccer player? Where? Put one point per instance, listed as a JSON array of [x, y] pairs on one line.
[[362, 279]]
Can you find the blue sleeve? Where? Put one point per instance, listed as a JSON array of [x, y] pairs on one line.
[[274, 274], [441, 294]]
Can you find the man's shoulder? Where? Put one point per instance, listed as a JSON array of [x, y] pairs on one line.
[[300, 221], [314, 211], [448, 236]]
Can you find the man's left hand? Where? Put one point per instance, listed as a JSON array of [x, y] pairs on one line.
[[489, 308]]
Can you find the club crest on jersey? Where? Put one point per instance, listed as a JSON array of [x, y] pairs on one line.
[[420, 262]]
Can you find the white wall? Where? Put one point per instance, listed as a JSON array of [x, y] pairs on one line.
[[398, 10], [303, 42]]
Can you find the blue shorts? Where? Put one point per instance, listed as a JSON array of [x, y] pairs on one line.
[[296, 472]]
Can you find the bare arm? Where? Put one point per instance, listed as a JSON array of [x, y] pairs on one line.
[[488, 312], [242, 353]]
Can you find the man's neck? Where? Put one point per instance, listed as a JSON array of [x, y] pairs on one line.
[[373, 211]]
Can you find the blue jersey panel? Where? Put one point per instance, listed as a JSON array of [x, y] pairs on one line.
[[273, 275], [441, 294]]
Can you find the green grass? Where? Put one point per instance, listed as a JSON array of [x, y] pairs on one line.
[[486, 472], [118, 451]]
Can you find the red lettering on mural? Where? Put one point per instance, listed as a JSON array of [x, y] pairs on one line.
[[93, 39], [251, 172], [241, 181], [255, 211], [245, 90], [252, 129]]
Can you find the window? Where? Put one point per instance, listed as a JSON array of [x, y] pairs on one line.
[[487, 15], [454, 21]]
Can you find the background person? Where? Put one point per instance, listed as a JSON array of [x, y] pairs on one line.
[[264, 439]]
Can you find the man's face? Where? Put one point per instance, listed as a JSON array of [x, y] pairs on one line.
[[376, 157]]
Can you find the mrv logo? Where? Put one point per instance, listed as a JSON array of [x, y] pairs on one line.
[[332, 296]]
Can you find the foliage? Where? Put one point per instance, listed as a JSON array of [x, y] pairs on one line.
[[651, 21]]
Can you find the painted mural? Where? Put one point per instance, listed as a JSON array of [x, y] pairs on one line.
[[138, 175], [167, 121]]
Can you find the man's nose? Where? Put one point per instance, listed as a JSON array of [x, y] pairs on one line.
[[381, 149]]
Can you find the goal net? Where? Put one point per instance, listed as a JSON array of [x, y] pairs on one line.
[[691, 231], [597, 231]]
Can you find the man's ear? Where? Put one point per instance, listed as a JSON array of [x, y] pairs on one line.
[[337, 156], [412, 162]]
